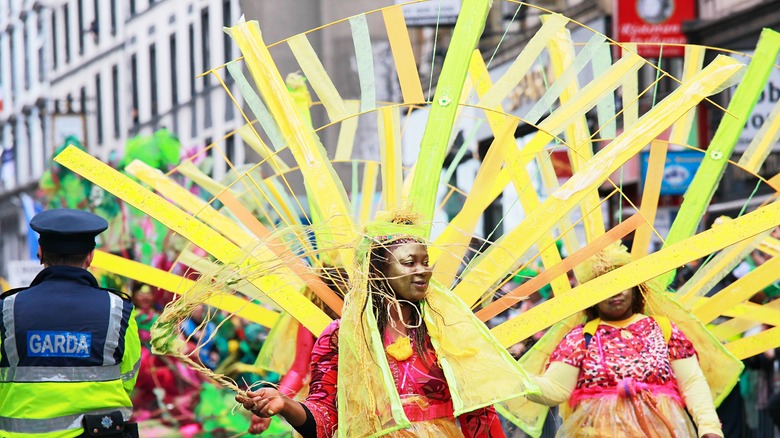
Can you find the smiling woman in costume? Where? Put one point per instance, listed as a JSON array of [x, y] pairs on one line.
[[625, 373], [394, 353]]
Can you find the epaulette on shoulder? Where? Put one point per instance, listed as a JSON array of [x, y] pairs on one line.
[[10, 292], [121, 294]]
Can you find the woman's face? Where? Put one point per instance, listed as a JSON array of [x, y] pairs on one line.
[[407, 271], [617, 307]]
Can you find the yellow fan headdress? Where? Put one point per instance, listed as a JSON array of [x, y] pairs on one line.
[[479, 371]]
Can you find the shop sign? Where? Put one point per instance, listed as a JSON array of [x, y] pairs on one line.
[[679, 170], [653, 21]]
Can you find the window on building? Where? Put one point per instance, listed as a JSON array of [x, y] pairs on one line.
[[174, 75], [206, 64], [230, 147], [45, 145], [193, 73], [94, 27], [28, 124], [54, 37], [80, 22], [115, 99], [26, 54], [204, 31], [132, 7], [41, 29], [14, 48], [153, 77], [113, 17], [210, 156], [99, 106], [230, 110], [83, 100], [66, 15], [134, 84], [227, 20], [15, 150]]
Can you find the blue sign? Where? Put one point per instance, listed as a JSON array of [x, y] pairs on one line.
[[58, 344], [679, 169]]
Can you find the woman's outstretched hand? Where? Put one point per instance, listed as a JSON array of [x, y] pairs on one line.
[[265, 402]]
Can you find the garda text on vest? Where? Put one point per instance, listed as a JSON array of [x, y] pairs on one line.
[[58, 344]]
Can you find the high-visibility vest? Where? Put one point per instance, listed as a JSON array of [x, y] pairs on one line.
[[68, 349]]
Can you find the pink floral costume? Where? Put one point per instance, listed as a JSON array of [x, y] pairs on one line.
[[626, 386]]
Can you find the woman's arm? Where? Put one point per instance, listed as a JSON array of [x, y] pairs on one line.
[[697, 396], [481, 423], [293, 380], [556, 384]]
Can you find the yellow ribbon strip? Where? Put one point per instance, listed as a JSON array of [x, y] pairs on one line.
[[523, 62], [190, 203], [763, 142], [756, 344], [302, 140], [707, 276], [750, 311], [739, 291], [736, 326], [389, 124], [681, 130], [191, 229], [180, 286], [488, 269], [316, 75], [401, 46], [347, 131], [650, 195], [639, 271], [580, 150], [630, 95]]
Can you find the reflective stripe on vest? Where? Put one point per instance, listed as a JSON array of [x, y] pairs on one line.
[[36, 425], [114, 325], [59, 374], [130, 374], [9, 344]]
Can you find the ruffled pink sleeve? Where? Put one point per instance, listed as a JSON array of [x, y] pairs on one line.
[[680, 347], [321, 401], [571, 350]]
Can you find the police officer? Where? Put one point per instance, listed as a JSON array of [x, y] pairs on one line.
[[70, 350]]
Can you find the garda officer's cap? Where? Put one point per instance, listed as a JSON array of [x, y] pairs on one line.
[[65, 231]]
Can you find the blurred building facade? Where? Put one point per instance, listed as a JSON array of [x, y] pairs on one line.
[[105, 71]]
